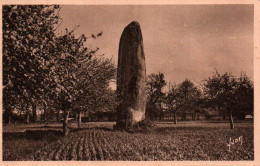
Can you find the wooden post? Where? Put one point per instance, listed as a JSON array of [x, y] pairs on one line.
[[175, 118], [79, 119], [231, 120], [65, 123]]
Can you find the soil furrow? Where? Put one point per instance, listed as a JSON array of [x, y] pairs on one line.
[[108, 151], [86, 152], [72, 151], [80, 148], [64, 153], [47, 152], [93, 153], [98, 146], [57, 154]]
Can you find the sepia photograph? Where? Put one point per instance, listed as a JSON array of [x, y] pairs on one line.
[[128, 82]]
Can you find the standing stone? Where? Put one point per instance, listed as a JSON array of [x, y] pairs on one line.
[[131, 78]]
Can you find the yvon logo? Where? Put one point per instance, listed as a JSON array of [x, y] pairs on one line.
[[235, 141]]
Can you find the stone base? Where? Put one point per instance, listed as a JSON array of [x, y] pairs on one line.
[[119, 126], [143, 126]]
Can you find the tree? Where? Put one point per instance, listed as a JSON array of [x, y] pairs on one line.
[[173, 101], [188, 96], [220, 91], [92, 84], [69, 57], [28, 32], [106, 105], [155, 85], [244, 96]]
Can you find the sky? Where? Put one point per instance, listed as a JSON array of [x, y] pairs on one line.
[[180, 41]]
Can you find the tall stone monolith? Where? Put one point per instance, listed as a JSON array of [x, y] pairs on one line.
[[131, 76]]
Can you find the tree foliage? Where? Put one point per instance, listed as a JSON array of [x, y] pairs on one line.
[[28, 33], [244, 95], [155, 85], [188, 95], [155, 94], [183, 98], [173, 101], [92, 83]]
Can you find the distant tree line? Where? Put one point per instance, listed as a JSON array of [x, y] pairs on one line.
[[221, 94]]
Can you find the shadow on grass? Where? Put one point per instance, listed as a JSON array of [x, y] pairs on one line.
[[227, 121], [204, 121], [43, 127], [35, 135], [174, 129], [88, 128]]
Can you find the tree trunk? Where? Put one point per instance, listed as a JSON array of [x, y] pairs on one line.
[[41, 115], [9, 115], [27, 114], [184, 116], [79, 119], [27, 117], [223, 117], [86, 117], [231, 120], [76, 117], [9, 119], [45, 112], [65, 123], [58, 116], [20, 116], [147, 114], [34, 112], [175, 118]]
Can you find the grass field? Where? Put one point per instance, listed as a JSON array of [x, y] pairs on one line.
[[97, 141]]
